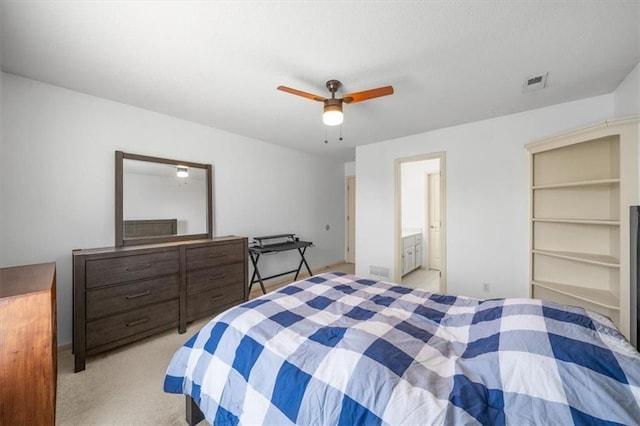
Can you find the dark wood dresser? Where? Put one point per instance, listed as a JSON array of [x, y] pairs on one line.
[[28, 348], [124, 294]]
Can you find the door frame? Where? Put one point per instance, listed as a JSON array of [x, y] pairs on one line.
[[347, 221], [441, 155], [427, 220]]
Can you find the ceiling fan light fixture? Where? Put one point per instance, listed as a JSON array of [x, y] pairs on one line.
[[332, 115]]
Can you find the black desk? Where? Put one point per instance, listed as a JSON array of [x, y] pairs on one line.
[[256, 251]]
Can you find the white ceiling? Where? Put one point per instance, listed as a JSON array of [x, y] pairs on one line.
[[219, 63]]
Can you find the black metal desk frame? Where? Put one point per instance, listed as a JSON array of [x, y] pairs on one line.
[[260, 248]]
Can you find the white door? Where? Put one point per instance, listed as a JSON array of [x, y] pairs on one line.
[[434, 221], [351, 219]]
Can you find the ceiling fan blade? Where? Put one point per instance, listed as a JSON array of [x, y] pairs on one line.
[[352, 98], [301, 93]]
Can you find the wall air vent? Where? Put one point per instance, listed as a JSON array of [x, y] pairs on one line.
[[379, 271], [535, 82]]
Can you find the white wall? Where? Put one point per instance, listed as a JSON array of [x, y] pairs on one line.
[[1, 147], [413, 192], [57, 180], [350, 168], [486, 199], [2, 155], [626, 97]]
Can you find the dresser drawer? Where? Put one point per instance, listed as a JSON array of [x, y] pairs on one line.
[[215, 255], [103, 331], [115, 270], [112, 300], [202, 303], [221, 276]]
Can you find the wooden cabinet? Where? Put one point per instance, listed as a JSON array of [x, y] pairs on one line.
[[411, 252], [28, 363], [582, 184], [408, 260], [124, 294], [418, 248]]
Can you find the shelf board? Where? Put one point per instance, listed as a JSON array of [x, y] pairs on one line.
[[577, 184], [579, 221], [602, 298], [595, 259]]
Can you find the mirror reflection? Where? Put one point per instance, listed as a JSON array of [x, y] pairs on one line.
[[160, 200], [163, 199]]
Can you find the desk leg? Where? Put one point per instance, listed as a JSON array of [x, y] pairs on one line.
[[255, 269], [256, 272], [302, 261]]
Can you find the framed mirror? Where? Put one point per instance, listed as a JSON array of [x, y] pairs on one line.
[[161, 200]]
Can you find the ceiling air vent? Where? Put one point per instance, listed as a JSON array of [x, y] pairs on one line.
[[535, 82]]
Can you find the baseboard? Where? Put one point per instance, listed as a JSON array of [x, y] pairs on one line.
[[66, 347]]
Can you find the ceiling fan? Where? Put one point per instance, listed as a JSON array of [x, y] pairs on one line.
[[332, 115]]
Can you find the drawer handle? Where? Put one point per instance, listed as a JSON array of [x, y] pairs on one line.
[[139, 267], [144, 293], [216, 297], [217, 277], [137, 322], [215, 256]]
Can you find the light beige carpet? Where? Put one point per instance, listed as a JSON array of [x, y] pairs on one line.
[[123, 386]]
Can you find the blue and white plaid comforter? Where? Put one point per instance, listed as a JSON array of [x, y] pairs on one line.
[[339, 349]]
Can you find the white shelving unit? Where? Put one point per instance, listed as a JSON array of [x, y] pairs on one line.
[[582, 184]]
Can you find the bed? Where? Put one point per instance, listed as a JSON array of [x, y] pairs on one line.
[[340, 349]]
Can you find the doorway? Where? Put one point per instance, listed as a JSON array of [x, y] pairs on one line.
[[420, 228]]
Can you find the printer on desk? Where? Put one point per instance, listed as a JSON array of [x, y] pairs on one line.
[[274, 240]]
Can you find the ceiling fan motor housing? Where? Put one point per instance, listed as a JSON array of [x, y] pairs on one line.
[[333, 86], [333, 105]]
